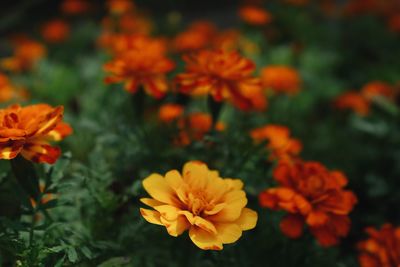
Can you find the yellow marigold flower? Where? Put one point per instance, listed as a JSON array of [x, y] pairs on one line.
[[29, 130], [212, 208]]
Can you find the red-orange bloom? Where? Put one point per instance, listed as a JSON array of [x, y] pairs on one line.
[[311, 195], [280, 144], [140, 62], [254, 15], [224, 75], [199, 35], [281, 79], [55, 31], [353, 101], [377, 88], [75, 7], [26, 54], [120, 6], [394, 23], [382, 248], [170, 112], [28, 131]]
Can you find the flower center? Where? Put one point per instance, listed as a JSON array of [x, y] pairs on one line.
[[197, 202]]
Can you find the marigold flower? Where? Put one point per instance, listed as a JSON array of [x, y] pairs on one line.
[[311, 195], [382, 248], [143, 64], [377, 88], [29, 130], [9, 91], [120, 6], [198, 36], [281, 79], [55, 31], [353, 101], [26, 54], [281, 145], [170, 112], [225, 75], [212, 208], [255, 15], [74, 7]]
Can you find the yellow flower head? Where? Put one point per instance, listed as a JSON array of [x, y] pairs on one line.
[[212, 208]]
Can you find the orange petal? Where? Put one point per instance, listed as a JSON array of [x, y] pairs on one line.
[[292, 226]]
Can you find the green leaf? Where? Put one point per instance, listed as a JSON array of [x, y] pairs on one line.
[[25, 173]]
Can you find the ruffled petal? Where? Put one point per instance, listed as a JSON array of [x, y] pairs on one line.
[[204, 239]]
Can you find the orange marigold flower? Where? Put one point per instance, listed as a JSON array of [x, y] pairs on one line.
[[195, 126], [170, 112], [382, 248], [142, 64], [55, 31], [281, 79], [212, 208], [281, 145], [26, 54], [9, 91], [353, 101], [224, 75], [377, 88], [28, 131], [120, 6], [313, 195], [198, 36], [74, 7], [254, 15]]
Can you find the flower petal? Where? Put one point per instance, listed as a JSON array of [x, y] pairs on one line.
[[228, 232], [247, 220], [151, 216], [204, 239], [177, 226], [158, 188], [292, 226]]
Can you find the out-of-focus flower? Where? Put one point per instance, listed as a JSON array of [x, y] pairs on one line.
[[26, 53], [195, 126], [9, 92], [170, 112], [381, 249], [119, 7], [377, 88], [354, 101], [225, 75], [311, 195], [281, 79], [140, 62], [75, 7], [212, 208], [29, 130], [55, 31], [280, 144], [394, 23], [199, 35], [255, 15], [227, 40]]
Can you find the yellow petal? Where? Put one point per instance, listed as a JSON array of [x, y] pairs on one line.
[[234, 183], [151, 202], [177, 226], [195, 173], [168, 212], [151, 216], [158, 188], [228, 232], [204, 239], [189, 216], [235, 202], [204, 224], [217, 208], [174, 179], [248, 219]]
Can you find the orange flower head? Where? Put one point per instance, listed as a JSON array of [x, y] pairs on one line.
[[170, 112], [353, 101], [29, 130], [281, 79], [225, 75], [255, 15], [198, 36], [311, 195], [9, 92], [142, 64], [26, 54], [281, 145], [211, 208], [377, 88], [119, 7], [55, 31], [381, 249], [75, 7]]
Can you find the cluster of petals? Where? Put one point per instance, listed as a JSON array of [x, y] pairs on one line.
[[225, 75], [255, 15], [140, 61], [311, 195], [198, 35], [281, 79], [211, 208], [279, 142], [382, 248], [360, 102], [55, 31], [29, 130]]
